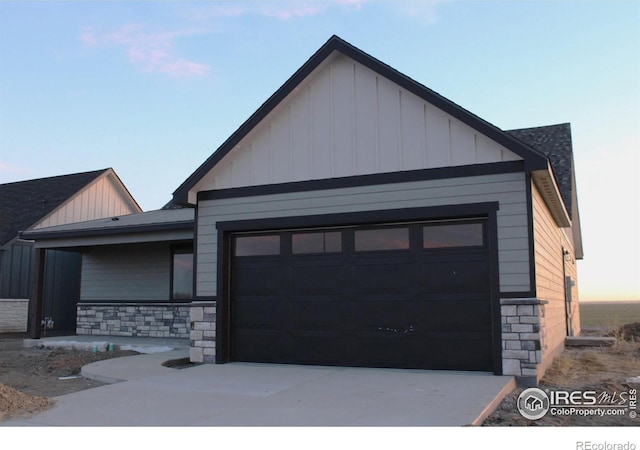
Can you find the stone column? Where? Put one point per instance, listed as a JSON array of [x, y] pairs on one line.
[[522, 337], [203, 332]]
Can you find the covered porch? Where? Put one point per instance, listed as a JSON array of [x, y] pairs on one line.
[[137, 274]]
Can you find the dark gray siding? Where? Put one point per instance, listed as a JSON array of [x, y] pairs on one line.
[[15, 270], [61, 288], [61, 281]]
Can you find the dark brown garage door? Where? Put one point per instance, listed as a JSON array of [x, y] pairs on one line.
[[411, 295]]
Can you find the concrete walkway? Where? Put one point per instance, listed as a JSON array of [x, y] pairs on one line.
[[101, 343], [247, 394]]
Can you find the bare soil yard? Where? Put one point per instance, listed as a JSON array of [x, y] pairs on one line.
[[30, 377], [599, 369]]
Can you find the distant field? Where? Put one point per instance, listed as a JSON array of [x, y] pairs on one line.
[[609, 314]]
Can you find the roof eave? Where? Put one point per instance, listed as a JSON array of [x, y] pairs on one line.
[[546, 183], [577, 228], [36, 235], [135, 206]]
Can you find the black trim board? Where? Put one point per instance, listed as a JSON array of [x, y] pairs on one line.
[[534, 160], [366, 180], [125, 302], [531, 231], [195, 253], [208, 299], [36, 295], [223, 307], [525, 294], [494, 271]]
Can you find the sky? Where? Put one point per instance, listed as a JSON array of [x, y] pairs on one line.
[[153, 88]]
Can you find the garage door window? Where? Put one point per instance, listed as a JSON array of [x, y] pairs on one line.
[[262, 245], [382, 239], [453, 235], [310, 243]]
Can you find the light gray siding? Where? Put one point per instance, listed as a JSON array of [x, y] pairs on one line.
[[507, 189], [126, 273]]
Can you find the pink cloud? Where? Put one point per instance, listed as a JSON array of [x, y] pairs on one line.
[[87, 36], [149, 51], [426, 10], [287, 11], [10, 168], [357, 3], [274, 9]]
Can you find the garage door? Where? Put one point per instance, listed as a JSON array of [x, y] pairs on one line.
[[408, 295]]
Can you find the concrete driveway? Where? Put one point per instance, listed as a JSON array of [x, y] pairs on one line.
[[245, 394]]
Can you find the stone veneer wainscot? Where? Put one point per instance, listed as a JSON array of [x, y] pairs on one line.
[[167, 320]]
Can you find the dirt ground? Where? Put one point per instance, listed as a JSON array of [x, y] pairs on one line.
[[600, 369], [30, 377]]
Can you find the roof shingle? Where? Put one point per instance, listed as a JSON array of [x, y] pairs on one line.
[[24, 203], [555, 142]]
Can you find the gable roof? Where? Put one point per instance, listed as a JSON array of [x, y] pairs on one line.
[[533, 159], [24, 203], [555, 142]]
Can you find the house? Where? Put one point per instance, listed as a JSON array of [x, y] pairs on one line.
[[41, 203], [358, 218], [533, 403]]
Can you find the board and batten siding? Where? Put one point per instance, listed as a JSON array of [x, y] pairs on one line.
[[16, 261], [507, 189], [346, 120], [102, 198], [550, 267], [126, 273]]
